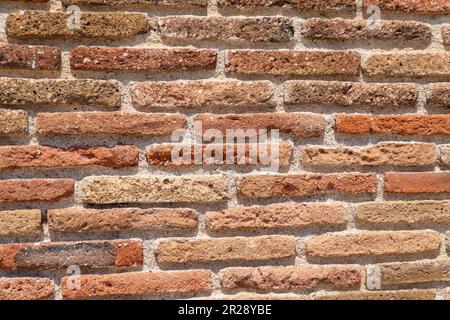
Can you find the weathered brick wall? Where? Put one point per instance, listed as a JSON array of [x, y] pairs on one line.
[[360, 208]]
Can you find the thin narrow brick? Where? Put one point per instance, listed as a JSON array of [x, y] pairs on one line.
[[374, 244], [348, 30], [408, 65], [286, 216], [294, 63], [218, 154], [204, 94], [420, 125], [142, 59], [307, 5], [426, 271], [231, 250], [156, 189], [140, 284], [20, 223], [20, 157], [143, 3], [403, 214], [296, 185], [45, 190], [446, 34], [417, 182], [291, 278], [350, 94], [381, 295], [60, 255], [14, 56], [383, 154], [76, 220], [26, 288], [297, 125], [49, 92], [224, 29], [435, 7], [109, 123], [13, 122], [93, 25]]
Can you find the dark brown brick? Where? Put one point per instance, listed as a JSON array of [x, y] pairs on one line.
[[13, 56]]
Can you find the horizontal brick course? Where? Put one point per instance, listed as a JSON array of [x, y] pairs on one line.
[[140, 284], [142, 59], [20, 223], [297, 185], [309, 5], [373, 244], [13, 122], [109, 123], [350, 94], [75, 220], [204, 94], [439, 95], [159, 189], [41, 190], [294, 63], [288, 216], [88, 254], [13, 56], [231, 250], [381, 295], [46, 92], [18, 157], [163, 3], [412, 6], [420, 182], [93, 25], [26, 288], [420, 125], [383, 154], [265, 29], [291, 278]]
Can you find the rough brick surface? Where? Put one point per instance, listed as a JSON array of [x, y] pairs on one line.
[[204, 94], [385, 154], [104, 190], [88, 254], [439, 95], [446, 35], [294, 63], [142, 59], [20, 223], [412, 6], [19, 157], [109, 123], [445, 155], [166, 3], [13, 56], [415, 272], [289, 216], [13, 122], [373, 244], [140, 284], [93, 25], [289, 278], [264, 29], [237, 249], [345, 30], [26, 92], [74, 220], [426, 182], [309, 5], [26, 288], [46, 190], [382, 295], [297, 185], [350, 94]]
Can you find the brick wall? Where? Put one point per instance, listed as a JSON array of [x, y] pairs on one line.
[[359, 209]]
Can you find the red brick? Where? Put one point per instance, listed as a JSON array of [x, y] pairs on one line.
[[109, 123], [60, 255], [296, 124], [411, 6], [286, 216], [142, 59], [204, 94], [45, 190], [427, 271], [421, 125], [26, 288], [76, 220], [420, 182], [305, 277], [298, 185], [294, 63], [306, 5], [140, 284], [13, 56], [12, 157]]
